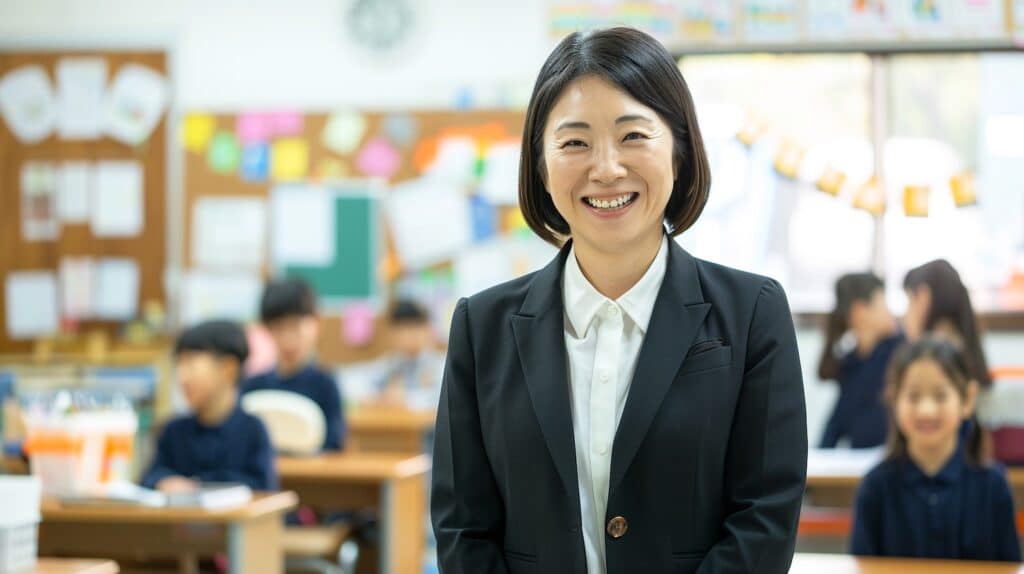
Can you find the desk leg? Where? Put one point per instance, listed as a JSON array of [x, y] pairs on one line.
[[404, 517], [255, 546]]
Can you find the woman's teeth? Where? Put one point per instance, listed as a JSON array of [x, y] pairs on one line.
[[610, 203]]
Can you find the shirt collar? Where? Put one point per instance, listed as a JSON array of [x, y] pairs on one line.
[[949, 473], [583, 301]]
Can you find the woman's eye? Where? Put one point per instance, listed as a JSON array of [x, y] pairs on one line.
[[634, 136], [573, 143]]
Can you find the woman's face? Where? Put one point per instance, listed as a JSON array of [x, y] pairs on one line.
[[608, 163]]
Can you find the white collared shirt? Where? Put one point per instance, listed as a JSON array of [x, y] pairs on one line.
[[602, 340]]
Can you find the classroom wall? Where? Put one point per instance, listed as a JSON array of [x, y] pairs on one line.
[[233, 54]]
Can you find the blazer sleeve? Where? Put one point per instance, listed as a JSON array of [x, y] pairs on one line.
[[467, 511], [766, 460]]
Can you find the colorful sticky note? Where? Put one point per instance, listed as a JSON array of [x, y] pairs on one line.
[[289, 159], [256, 162], [329, 168], [870, 197], [286, 123], [357, 324], [964, 191], [224, 153], [344, 132], [788, 159], [196, 131], [254, 128], [915, 200], [484, 218], [831, 181], [401, 129], [378, 158]]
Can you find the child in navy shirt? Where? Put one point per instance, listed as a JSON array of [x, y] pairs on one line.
[[861, 338], [931, 498], [289, 312], [218, 441]]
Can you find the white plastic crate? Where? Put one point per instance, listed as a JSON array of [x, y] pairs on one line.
[[18, 547]]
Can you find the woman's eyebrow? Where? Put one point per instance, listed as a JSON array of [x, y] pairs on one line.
[[620, 120], [573, 125], [633, 118]]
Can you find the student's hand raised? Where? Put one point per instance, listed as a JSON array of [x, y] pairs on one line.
[[173, 484]]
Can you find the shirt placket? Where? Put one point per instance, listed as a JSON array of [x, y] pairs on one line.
[[602, 401]]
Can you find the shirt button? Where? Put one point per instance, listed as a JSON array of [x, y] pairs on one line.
[[612, 310], [604, 377], [602, 450]]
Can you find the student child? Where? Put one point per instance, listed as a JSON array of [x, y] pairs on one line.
[[288, 310], [939, 304], [931, 498], [218, 441], [860, 339], [412, 372]]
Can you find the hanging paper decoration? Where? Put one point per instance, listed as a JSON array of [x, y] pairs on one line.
[[788, 159], [831, 182], [870, 197], [964, 191], [915, 200]]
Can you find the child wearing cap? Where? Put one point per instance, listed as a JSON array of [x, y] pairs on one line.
[[217, 441]]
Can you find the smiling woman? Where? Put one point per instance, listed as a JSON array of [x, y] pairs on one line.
[[628, 408]]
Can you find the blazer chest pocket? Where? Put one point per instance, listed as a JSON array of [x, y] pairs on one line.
[[705, 356]]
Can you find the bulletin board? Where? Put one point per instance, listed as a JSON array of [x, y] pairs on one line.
[[204, 178], [147, 249]]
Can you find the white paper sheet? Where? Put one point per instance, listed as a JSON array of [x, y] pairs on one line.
[[229, 232], [430, 221], [455, 161], [210, 295], [27, 103], [117, 209], [135, 104], [39, 201], [116, 289], [500, 183], [76, 287], [81, 87], [74, 191], [303, 226], [31, 304]]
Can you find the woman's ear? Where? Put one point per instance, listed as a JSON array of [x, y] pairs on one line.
[[970, 399]]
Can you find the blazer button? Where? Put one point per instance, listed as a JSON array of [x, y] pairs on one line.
[[617, 527]]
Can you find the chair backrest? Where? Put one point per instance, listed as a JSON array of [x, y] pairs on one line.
[[295, 423]]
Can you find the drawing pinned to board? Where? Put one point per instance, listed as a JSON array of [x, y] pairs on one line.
[[289, 159], [135, 104], [229, 232], [485, 218], [196, 131], [428, 208], [31, 304], [224, 154], [379, 158], [39, 202], [500, 182], [234, 296], [302, 226], [256, 162], [401, 128], [357, 324], [27, 103], [74, 191], [343, 132], [117, 209], [116, 293], [76, 287], [81, 85]]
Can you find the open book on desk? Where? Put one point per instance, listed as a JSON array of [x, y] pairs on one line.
[[209, 496]]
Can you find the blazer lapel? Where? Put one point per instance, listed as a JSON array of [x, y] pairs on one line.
[[678, 313], [539, 333]]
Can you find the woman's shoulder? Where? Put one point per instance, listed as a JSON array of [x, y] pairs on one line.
[[723, 284]]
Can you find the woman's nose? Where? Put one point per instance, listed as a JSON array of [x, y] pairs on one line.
[[607, 168]]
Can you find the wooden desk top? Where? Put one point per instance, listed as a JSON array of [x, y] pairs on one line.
[[356, 466], [1014, 475], [261, 505], [390, 419], [841, 564], [62, 566]]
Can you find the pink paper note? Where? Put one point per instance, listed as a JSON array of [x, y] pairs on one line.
[[379, 158], [253, 128], [262, 352], [286, 123], [357, 324]]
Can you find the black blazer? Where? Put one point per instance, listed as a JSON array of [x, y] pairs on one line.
[[709, 460]]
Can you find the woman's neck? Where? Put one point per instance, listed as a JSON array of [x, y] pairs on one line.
[[613, 273], [868, 339], [931, 459]]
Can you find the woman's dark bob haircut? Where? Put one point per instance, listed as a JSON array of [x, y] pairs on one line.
[[639, 65]]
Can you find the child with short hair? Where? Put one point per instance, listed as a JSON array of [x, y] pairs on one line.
[[217, 441], [288, 310], [931, 497]]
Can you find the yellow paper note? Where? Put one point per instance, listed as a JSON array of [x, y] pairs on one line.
[[870, 197], [831, 182], [289, 159], [197, 129], [788, 159], [964, 191], [915, 200]]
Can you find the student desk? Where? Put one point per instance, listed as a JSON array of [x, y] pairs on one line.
[[60, 566], [388, 429], [840, 491], [253, 532], [390, 484], [842, 564]]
